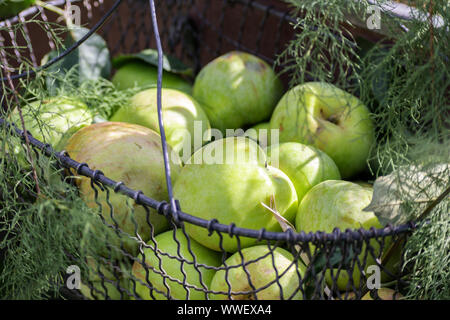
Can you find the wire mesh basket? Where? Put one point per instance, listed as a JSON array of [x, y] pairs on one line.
[[140, 262]]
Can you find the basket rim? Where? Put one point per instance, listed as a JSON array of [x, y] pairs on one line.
[[164, 208]]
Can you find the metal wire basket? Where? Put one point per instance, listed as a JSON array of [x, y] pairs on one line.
[[289, 265]]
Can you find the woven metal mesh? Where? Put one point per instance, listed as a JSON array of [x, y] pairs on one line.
[[320, 265]]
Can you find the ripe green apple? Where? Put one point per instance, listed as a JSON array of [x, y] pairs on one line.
[[383, 294], [306, 166], [113, 285], [339, 204], [172, 266], [132, 154], [230, 150], [364, 184], [113, 289], [52, 121], [261, 133], [185, 122], [49, 120], [234, 192], [9, 8], [141, 74], [330, 119], [238, 90], [262, 273]]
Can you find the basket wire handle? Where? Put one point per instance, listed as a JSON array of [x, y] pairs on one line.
[[173, 205]]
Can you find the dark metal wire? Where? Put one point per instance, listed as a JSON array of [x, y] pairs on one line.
[[159, 107], [165, 209], [72, 48]]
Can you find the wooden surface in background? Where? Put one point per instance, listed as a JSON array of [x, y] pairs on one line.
[[129, 29]]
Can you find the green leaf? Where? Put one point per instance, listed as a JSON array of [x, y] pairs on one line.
[[404, 194], [9, 8], [323, 259], [93, 55], [90, 61], [150, 56], [285, 226]]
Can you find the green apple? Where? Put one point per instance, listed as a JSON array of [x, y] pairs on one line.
[[261, 133], [106, 289], [306, 166], [383, 294], [262, 125], [274, 274], [339, 204], [364, 184], [103, 282], [9, 8], [238, 90], [49, 120], [52, 121], [330, 119], [230, 150], [133, 155], [174, 259], [141, 74], [347, 296], [185, 122], [234, 192]]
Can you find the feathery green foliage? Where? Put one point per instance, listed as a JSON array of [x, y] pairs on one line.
[[42, 234]]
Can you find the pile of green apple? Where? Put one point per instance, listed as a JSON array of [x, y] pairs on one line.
[[303, 152], [298, 160]]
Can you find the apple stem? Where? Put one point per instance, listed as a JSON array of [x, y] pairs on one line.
[[333, 119]]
